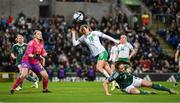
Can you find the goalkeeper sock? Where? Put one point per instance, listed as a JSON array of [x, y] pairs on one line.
[[21, 84], [159, 87], [17, 82], [45, 84]]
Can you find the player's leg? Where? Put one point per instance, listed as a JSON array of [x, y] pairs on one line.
[[24, 73], [44, 81], [112, 67], [33, 78], [107, 68], [35, 85], [99, 66], [38, 68], [133, 90], [102, 65], [110, 71], [20, 85], [145, 83]]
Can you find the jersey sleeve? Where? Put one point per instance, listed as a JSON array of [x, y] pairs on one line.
[[113, 77], [130, 46], [14, 49]]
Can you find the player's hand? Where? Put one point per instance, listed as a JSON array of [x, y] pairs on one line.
[[73, 31], [117, 42], [36, 56], [42, 61]]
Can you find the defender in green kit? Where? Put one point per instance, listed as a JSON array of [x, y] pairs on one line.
[[18, 50], [129, 83]]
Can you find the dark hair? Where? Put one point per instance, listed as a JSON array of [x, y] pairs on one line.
[[117, 64], [121, 62]]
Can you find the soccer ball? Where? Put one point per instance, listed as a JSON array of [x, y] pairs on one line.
[[78, 16]]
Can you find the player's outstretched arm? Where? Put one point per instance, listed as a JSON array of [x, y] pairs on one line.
[[74, 41], [110, 38], [105, 86]]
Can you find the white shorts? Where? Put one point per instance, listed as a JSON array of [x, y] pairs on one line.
[[136, 83]]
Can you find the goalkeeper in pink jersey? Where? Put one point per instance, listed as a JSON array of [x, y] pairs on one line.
[[34, 53]]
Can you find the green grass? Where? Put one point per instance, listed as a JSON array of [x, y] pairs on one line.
[[80, 92]]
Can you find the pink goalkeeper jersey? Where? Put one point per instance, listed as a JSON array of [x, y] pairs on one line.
[[33, 47]]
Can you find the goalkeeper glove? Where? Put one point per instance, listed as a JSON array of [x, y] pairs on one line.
[[36, 56]]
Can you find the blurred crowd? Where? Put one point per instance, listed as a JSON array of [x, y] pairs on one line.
[[168, 13], [64, 58]]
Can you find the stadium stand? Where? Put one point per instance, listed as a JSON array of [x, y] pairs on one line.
[[56, 33]]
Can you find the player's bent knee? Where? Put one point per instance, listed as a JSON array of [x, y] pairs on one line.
[[44, 74], [23, 75], [146, 83]]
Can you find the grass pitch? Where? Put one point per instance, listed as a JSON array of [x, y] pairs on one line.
[[81, 92]]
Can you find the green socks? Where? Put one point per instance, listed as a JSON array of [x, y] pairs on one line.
[[32, 79], [36, 78], [159, 87], [143, 92]]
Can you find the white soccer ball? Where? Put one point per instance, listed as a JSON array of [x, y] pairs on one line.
[[78, 16]]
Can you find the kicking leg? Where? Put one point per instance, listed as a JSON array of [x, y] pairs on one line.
[[32, 77], [19, 80], [107, 67], [99, 66]]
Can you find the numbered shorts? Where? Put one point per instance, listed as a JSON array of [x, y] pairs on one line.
[[136, 83]]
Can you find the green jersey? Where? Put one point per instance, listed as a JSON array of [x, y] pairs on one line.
[[19, 50], [123, 79]]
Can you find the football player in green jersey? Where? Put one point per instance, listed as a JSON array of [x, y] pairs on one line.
[[129, 83], [18, 50]]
